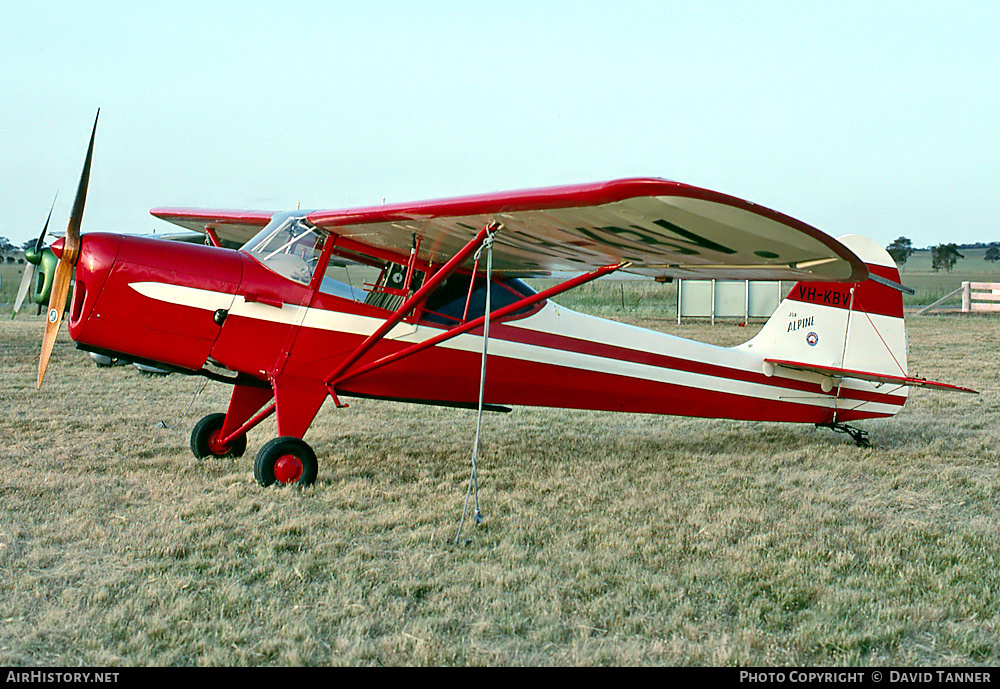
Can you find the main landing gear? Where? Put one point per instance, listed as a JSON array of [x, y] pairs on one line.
[[286, 460]]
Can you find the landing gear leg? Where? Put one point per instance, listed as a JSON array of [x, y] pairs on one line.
[[225, 435], [289, 460], [859, 436]]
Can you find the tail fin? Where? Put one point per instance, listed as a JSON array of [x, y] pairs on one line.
[[836, 329]]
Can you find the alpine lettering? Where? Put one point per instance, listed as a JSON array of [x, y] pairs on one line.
[[800, 323]]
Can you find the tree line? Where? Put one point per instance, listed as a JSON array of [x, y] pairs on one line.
[[943, 256]]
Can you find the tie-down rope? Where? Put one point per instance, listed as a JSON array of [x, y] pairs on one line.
[[473, 489]]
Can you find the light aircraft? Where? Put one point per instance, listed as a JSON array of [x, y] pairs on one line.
[[269, 319]]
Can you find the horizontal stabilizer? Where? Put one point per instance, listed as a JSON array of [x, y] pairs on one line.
[[880, 378]]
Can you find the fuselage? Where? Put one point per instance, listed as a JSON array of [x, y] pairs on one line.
[[185, 306]]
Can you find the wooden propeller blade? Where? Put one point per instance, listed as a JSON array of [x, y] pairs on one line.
[[71, 248], [57, 303], [67, 261], [22, 290], [41, 238]]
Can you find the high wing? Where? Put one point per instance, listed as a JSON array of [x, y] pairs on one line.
[[880, 378], [662, 229], [232, 227]]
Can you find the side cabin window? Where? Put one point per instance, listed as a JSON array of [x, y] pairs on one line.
[[446, 306], [346, 279]]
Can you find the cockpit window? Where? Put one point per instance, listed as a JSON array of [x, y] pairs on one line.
[[288, 245]]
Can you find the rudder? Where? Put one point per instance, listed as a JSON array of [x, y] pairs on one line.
[[854, 326]]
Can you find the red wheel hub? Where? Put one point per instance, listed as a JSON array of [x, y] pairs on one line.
[[214, 445], [288, 469]]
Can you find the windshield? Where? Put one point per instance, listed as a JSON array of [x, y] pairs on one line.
[[288, 245]]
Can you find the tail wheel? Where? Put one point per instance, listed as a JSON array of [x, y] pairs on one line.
[[206, 439], [287, 461]]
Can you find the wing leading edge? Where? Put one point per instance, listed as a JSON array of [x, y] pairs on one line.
[[663, 229]]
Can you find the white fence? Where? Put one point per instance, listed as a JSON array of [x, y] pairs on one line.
[[980, 296], [729, 298], [976, 296]]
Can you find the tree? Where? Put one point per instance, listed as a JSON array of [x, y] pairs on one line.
[[944, 256], [992, 254], [5, 245], [900, 250]]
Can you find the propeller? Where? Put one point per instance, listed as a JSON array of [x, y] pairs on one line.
[[67, 261], [33, 258]]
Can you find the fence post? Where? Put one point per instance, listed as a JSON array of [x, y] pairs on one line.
[[713, 301], [679, 291], [746, 302], [966, 297]]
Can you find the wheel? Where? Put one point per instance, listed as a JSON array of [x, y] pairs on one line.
[[205, 439], [286, 460]]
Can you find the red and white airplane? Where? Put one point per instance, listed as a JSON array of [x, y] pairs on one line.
[[269, 320]]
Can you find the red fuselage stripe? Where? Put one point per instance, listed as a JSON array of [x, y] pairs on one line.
[[607, 351]]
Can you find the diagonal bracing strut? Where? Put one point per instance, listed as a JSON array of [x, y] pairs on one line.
[[416, 299], [476, 323]]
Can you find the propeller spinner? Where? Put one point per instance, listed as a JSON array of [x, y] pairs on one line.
[[68, 255]]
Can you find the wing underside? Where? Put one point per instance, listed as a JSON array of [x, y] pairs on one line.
[[664, 229], [231, 227]]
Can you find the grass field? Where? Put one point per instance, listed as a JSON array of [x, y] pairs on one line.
[[609, 539]]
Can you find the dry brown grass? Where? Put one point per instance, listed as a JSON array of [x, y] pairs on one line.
[[609, 538]]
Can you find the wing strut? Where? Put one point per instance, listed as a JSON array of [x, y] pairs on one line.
[[416, 299], [478, 322]]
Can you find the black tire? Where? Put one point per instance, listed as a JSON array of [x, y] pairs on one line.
[[204, 435], [286, 461]]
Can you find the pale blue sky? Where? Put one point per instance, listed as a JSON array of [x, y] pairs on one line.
[[877, 118]]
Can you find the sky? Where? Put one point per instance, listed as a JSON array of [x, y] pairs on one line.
[[873, 118]]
